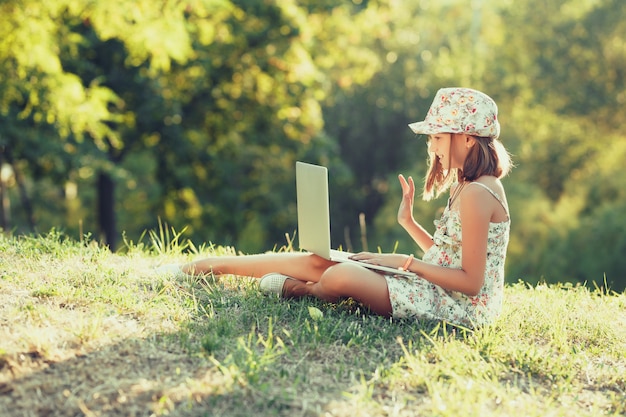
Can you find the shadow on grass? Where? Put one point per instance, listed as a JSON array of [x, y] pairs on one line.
[[273, 359], [137, 377]]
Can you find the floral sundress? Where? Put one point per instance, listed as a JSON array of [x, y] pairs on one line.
[[420, 299]]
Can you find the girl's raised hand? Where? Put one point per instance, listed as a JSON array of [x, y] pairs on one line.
[[405, 211]]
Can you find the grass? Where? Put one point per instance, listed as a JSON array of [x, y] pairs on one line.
[[87, 332]]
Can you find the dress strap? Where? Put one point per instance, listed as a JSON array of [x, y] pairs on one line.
[[493, 193]]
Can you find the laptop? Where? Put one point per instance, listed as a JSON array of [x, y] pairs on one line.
[[314, 217]]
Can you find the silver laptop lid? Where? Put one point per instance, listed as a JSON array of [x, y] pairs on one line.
[[313, 212]]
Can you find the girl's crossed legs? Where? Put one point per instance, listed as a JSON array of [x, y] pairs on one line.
[[321, 278]]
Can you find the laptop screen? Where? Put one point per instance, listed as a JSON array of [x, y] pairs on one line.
[[313, 212]]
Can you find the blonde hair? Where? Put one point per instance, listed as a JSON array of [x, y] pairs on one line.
[[487, 157]]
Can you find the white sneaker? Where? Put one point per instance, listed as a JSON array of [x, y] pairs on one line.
[[272, 283]]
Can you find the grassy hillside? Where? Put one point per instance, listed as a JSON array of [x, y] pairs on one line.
[[87, 332]]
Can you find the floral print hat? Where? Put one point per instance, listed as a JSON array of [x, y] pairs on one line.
[[460, 110]]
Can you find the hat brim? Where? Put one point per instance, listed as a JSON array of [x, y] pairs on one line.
[[423, 128]]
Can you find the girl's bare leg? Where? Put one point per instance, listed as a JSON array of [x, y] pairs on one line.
[[327, 280], [302, 266], [346, 280]]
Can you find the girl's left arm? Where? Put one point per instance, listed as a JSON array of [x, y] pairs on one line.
[[476, 214]]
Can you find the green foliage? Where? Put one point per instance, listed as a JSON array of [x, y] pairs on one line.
[[580, 235]]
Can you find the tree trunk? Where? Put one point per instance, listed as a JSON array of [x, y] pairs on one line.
[[21, 184], [26, 203], [106, 209], [5, 207], [4, 198]]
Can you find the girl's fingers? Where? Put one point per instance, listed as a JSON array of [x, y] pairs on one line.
[[406, 186], [402, 181]]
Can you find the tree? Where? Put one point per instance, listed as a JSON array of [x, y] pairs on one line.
[[207, 86], [40, 49], [563, 83]]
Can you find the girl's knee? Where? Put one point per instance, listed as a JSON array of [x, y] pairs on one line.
[[337, 277]]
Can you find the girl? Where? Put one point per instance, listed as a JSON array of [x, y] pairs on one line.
[[460, 278]]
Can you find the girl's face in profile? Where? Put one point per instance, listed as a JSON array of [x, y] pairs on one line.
[[439, 145], [449, 149]]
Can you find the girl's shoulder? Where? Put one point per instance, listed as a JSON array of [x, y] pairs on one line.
[[492, 184], [489, 180], [490, 188]]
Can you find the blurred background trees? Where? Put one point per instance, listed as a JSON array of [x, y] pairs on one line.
[[117, 114]]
